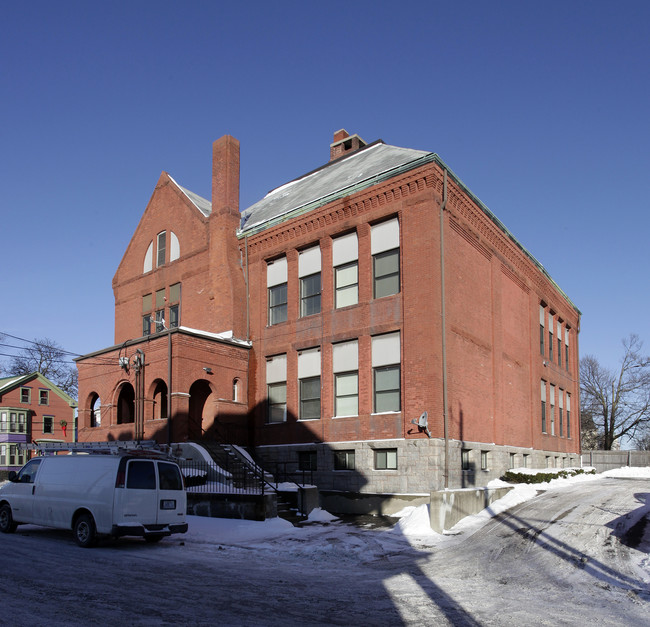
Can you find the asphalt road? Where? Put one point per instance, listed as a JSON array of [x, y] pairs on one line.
[[563, 558]]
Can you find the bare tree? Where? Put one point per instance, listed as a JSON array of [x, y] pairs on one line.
[[618, 402], [48, 358]]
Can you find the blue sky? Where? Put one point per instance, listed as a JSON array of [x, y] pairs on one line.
[[540, 108]]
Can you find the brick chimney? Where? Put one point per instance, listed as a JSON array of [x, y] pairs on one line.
[[344, 144], [228, 292]]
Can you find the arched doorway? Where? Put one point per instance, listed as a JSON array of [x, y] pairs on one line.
[[126, 404], [199, 394], [159, 400]]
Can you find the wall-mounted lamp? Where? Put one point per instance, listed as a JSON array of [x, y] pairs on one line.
[[208, 370]]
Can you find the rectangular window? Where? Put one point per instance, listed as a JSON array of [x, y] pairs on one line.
[[48, 424], [346, 285], [384, 245], [3, 422], [12, 454], [173, 316], [146, 325], [345, 256], [465, 463], [345, 364], [277, 398], [543, 389], [25, 395], [525, 460], [386, 373], [43, 397], [346, 390], [310, 398], [160, 320], [141, 475], [278, 304], [344, 460], [162, 245], [542, 331], [276, 380], [386, 459], [175, 293], [12, 421], [386, 384], [310, 295], [3, 454], [307, 460], [512, 460], [559, 344], [276, 283], [552, 408], [566, 349], [309, 270], [560, 411], [309, 384], [549, 461], [484, 460], [550, 337], [22, 423], [568, 415]]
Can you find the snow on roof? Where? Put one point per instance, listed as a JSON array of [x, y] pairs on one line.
[[337, 178]]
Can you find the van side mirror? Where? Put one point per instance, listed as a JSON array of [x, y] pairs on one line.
[[12, 475]]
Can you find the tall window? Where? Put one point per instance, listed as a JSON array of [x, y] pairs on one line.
[[384, 242], [345, 256], [48, 424], [542, 331], [43, 397], [560, 410], [25, 395], [147, 306], [161, 249], [276, 283], [309, 267], [465, 463], [345, 362], [309, 383], [550, 337], [566, 349], [568, 415], [276, 385], [543, 390], [559, 344], [386, 372], [174, 305], [552, 407]]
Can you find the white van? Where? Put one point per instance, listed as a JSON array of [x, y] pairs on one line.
[[97, 495]]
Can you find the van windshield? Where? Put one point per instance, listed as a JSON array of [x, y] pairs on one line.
[[170, 476], [28, 471]]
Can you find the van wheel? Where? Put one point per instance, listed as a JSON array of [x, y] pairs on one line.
[[7, 524], [84, 531]]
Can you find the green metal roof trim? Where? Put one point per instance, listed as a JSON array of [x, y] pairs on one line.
[[271, 216]]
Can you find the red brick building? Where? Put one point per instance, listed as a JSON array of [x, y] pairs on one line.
[[319, 324], [32, 409]]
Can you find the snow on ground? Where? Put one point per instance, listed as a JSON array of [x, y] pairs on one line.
[[412, 529]]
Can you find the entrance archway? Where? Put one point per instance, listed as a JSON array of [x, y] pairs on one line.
[[199, 393], [126, 404]]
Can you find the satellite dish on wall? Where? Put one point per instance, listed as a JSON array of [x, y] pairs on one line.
[[422, 423]]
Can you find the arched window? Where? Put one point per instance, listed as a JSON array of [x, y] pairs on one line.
[[95, 410], [126, 404], [160, 400], [148, 259]]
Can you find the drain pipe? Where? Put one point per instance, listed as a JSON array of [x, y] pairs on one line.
[[444, 327]]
